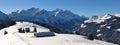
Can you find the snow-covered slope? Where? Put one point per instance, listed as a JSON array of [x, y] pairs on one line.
[[118, 15], [15, 38], [62, 19], [102, 27], [5, 20], [26, 25]]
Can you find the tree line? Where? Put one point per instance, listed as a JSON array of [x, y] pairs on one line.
[[26, 30]]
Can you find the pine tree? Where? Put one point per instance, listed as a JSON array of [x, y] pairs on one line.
[[23, 31], [35, 30], [27, 30], [5, 32], [20, 30], [90, 37]]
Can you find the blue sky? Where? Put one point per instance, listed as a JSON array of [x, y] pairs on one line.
[[81, 7]]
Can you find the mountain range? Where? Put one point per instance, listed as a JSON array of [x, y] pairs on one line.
[[64, 20], [105, 27]]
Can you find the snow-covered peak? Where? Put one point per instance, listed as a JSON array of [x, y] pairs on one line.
[[40, 12], [37, 11], [107, 16], [117, 15], [19, 11], [32, 9], [117, 30], [57, 18], [57, 11], [61, 12], [92, 19], [98, 19]]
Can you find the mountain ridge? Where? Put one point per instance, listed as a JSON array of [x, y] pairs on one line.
[[102, 27], [62, 19]]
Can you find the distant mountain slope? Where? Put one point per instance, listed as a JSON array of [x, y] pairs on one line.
[[3, 17], [105, 27], [5, 20], [62, 19]]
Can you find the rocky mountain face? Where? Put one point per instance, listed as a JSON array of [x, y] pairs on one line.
[[105, 27], [5, 20], [62, 19], [3, 17]]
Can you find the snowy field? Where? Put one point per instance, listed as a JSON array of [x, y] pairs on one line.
[[15, 38]]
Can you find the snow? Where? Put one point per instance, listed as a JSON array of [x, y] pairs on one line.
[[56, 13], [15, 38], [107, 16], [117, 15], [11, 39], [66, 39], [103, 25], [114, 19], [98, 30], [19, 11], [91, 19], [83, 26], [98, 19], [103, 18], [108, 27], [118, 30], [98, 35]]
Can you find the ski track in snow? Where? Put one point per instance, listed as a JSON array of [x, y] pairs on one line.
[[24, 40]]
